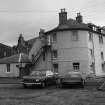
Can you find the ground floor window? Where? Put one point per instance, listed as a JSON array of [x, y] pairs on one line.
[[55, 67], [8, 67], [103, 67], [76, 66], [92, 67]]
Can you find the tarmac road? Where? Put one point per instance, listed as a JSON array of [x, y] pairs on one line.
[[15, 94]]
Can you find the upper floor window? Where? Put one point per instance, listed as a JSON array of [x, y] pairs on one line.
[[76, 66], [100, 39], [55, 53], [54, 37], [91, 53], [74, 35], [55, 67], [44, 56], [90, 36], [102, 56]]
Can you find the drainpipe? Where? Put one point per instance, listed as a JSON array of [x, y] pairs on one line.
[[51, 54], [93, 54]]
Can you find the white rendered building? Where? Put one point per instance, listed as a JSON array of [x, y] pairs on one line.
[[71, 46]]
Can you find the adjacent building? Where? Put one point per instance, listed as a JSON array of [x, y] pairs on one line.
[[23, 46], [14, 66], [71, 46], [5, 50]]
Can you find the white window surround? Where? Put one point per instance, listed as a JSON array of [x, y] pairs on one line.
[[76, 66]]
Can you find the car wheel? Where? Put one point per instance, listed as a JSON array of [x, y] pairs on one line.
[[43, 84], [82, 84], [58, 83], [24, 85]]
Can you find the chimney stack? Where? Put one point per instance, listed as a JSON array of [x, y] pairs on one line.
[[62, 17], [79, 18]]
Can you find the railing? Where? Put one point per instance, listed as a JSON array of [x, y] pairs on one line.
[[35, 57]]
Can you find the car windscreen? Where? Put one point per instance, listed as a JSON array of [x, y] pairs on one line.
[[75, 75], [37, 73]]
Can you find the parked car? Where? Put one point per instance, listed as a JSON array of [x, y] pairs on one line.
[[42, 78], [72, 78]]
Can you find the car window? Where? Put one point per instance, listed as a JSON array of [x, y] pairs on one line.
[[75, 75], [49, 73], [35, 73], [41, 73]]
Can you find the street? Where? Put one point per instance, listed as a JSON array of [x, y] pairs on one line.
[[15, 94]]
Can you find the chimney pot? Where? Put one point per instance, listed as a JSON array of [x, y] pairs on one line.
[[62, 17], [79, 18]]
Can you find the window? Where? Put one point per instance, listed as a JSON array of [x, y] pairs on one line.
[[44, 56], [76, 66], [54, 37], [91, 53], [102, 56], [8, 67], [90, 36], [74, 35], [55, 67], [5, 53], [92, 67], [100, 39], [103, 67], [33, 57], [55, 54]]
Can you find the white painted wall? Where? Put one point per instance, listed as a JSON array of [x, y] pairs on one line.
[[74, 51], [14, 71], [71, 51], [68, 52], [97, 52]]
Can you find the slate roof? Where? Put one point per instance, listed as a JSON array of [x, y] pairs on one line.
[[18, 58], [31, 41], [71, 24]]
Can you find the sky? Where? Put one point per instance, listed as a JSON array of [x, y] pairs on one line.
[[29, 16]]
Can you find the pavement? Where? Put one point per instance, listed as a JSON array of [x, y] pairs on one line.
[[9, 80]]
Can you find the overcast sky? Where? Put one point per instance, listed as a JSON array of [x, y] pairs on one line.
[[28, 16]]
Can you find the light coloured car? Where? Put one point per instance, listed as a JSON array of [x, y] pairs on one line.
[[71, 78]]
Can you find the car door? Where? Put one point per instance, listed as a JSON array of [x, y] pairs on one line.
[[48, 80]]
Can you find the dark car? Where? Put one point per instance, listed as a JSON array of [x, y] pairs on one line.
[[42, 78], [72, 78]]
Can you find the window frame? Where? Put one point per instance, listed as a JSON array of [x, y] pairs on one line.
[[101, 39], [91, 53], [55, 54], [8, 68], [75, 36], [54, 37], [55, 67], [103, 66], [90, 36], [76, 66]]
